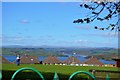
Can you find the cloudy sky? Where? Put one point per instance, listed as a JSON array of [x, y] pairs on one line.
[[51, 24]]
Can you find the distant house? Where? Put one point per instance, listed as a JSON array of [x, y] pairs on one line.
[[93, 62], [29, 59], [52, 60], [72, 61], [117, 62], [4, 61]]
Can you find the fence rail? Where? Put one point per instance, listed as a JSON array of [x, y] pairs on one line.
[[113, 75], [56, 77]]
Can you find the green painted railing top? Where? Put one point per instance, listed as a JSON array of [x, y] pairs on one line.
[[0, 75], [34, 70], [56, 77], [82, 72], [107, 77]]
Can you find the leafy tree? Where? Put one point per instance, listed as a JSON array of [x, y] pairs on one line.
[[112, 8]]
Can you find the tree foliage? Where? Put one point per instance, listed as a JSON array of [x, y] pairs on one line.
[[112, 8]]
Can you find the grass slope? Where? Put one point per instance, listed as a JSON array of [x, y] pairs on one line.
[[48, 71]]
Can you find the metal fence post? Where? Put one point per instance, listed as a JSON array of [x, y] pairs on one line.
[[93, 72], [107, 77], [56, 76], [0, 75]]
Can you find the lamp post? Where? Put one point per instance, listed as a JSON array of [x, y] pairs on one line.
[[119, 33], [73, 58]]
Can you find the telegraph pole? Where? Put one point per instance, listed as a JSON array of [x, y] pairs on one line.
[[118, 32]]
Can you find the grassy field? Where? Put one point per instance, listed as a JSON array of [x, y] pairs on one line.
[[48, 71]]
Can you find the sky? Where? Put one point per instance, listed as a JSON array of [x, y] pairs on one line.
[[51, 24]]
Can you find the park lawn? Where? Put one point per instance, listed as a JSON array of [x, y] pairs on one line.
[[63, 71], [57, 68]]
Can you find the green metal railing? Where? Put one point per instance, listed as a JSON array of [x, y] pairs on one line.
[[107, 77], [22, 69], [56, 77], [82, 72], [0, 75]]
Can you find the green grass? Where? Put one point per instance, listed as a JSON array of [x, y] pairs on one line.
[[57, 68], [48, 70]]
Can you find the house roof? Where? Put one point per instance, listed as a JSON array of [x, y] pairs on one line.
[[52, 60], [93, 60], [72, 60], [29, 59]]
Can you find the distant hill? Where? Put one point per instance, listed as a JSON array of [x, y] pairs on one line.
[[101, 53]]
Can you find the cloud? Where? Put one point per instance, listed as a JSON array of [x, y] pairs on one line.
[[103, 43], [13, 40], [111, 34], [73, 42], [107, 34], [24, 21], [10, 38], [46, 37], [80, 41], [83, 27], [87, 43], [41, 1]]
